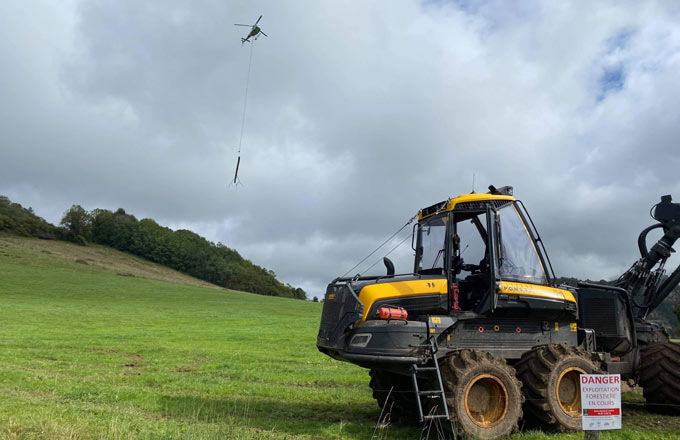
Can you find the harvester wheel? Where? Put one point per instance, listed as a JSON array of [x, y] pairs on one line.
[[483, 394], [395, 395], [660, 377], [550, 383]]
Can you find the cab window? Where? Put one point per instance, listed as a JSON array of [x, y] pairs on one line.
[[518, 259], [432, 243]]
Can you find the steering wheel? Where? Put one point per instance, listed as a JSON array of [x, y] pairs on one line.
[[471, 267]]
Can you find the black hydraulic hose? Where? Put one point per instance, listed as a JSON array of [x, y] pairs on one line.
[[664, 247], [659, 252], [665, 289], [642, 239]]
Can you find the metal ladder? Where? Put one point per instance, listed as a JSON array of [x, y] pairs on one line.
[[431, 366]]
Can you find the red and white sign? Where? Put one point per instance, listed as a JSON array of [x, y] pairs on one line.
[[601, 401]]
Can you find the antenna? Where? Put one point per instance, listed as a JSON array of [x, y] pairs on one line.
[[473, 183]]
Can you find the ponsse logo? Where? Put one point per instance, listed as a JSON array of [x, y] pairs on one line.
[[518, 289]]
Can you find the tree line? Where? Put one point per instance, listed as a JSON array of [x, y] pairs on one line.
[[18, 220], [182, 250]]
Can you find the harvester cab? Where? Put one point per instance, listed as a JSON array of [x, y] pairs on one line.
[[481, 311]]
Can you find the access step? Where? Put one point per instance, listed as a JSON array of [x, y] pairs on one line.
[[430, 393], [417, 368], [436, 416]]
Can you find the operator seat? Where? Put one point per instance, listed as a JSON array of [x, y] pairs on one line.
[[474, 287]]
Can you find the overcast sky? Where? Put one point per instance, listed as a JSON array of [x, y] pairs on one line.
[[358, 114]]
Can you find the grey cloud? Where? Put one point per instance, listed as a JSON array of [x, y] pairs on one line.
[[358, 115]]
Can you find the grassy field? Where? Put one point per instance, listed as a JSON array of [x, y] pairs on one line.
[[88, 350]]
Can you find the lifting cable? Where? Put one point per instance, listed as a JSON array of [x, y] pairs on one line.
[[383, 244], [243, 117], [392, 250]]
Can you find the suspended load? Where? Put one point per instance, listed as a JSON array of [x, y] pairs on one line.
[[254, 33]]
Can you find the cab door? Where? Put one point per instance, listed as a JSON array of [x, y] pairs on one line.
[[490, 300]]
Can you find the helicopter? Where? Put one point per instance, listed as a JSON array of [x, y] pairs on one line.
[[255, 31]]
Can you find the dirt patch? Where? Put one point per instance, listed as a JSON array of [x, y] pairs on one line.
[[193, 364], [133, 360]]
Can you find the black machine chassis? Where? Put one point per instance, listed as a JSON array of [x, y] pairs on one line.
[[504, 338], [519, 324]]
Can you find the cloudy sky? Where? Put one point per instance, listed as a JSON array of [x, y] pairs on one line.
[[359, 113]]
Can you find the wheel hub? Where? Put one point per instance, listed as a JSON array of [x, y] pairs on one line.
[[486, 400], [568, 390]]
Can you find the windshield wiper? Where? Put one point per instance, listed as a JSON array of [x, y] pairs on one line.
[[441, 251]]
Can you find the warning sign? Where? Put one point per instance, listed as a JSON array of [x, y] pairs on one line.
[[601, 401]]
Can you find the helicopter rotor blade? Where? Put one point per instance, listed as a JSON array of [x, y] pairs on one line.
[[258, 20], [264, 34], [247, 25]]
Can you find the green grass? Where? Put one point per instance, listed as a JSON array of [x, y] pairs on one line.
[[88, 353]]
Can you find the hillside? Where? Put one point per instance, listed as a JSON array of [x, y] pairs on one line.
[[93, 258], [181, 250], [89, 352], [21, 221]]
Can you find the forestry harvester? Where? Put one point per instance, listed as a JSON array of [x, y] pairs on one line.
[[480, 336]]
